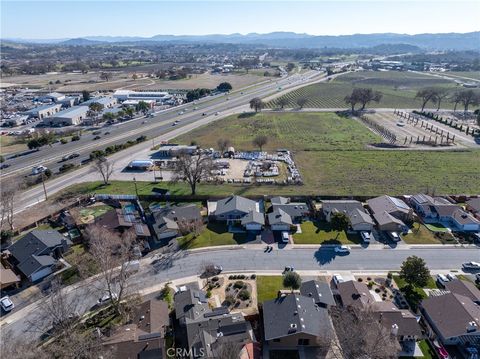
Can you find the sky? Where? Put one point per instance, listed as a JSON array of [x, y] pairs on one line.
[[75, 18]]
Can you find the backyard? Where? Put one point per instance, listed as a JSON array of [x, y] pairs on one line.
[[322, 233]]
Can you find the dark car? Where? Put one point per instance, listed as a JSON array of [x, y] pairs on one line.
[[96, 138], [4, 165]]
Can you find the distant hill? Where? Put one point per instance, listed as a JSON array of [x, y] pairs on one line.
[[449, 41]]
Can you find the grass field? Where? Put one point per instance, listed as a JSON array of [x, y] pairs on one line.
[[420, 235], [398, 89], [322, 233], [10, 144], [333, 159], [215, 234], [268, 286], [465, 74]]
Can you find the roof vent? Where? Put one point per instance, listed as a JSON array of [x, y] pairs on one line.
[[293, 328], [472, 327], [295, 312], [142, 317]]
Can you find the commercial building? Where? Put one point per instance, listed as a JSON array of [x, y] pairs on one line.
[[44, 111], [158, 96], [107, 102], [68, 117]]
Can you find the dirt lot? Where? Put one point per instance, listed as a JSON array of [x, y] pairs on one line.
[[76, 82], [414, 130]]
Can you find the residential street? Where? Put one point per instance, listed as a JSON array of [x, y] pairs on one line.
[[184, 264]]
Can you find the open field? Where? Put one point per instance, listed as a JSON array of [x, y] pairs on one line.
[[398, 88], [76, 82], [464, 74], [11, 144]]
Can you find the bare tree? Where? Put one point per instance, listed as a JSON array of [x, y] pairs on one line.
[[18, 346], [467, 98], [426, 95], [186, 227], [104, 167], [260, 141], [360, 335], [282, 102], [105, 75], [227, 350], [111, 254], [302, 101], [192, 169], [9, 189], [441, 95], [223, 144]]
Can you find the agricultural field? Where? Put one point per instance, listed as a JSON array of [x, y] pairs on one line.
[[465, 74], [398, 89], [334, 159]]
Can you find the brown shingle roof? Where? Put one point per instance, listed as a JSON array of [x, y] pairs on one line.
[[355, 293], [465, 288]]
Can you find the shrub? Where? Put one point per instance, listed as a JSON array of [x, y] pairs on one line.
[[370, 284], [229, 300], [360, 279], [209, 293], [63, 141], [238, 284], [377, 290], [369, 278], [75, 138], [244, 294], [253, 276], [215, 279], [230, 277]]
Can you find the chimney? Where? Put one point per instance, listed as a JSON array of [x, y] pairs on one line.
[[293, 328], [394, 330], [472, 327]]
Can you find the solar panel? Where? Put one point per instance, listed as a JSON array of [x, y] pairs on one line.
[[399, 203]]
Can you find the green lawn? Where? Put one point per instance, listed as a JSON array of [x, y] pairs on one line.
[[415, 296], [436, 227], [428, 352], [267, 287], [214, 234], [420, 235], [321, 233], [95, 211]]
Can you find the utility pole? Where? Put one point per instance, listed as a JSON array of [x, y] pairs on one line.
[[135, 183], [44, 188]]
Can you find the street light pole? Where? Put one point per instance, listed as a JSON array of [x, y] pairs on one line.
[[44, 188], [135, 183]]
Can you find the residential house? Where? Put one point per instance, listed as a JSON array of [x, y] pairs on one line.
[[473, 205], [401, 323], [439, 210], [208, 329], [144, 337], [167, 219], [293, 321], [36, 254], [319, 291], [280, 220], [297, 211], [125, 218], [237, 210], [453, 319], [390, 213], [465, 288], [359, 219]]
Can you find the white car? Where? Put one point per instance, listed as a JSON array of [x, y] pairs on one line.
[[394, 236], [38, 169], [337, 278], [6, 304], [442, 279], [285, 237], [106, 297], [342, 249], [451, 276], [365, 236]]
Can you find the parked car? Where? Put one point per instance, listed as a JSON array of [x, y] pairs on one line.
[[218, 269], [451, 276], [442, 279], [6, 304], [288, 269], [342, 249], [96, 138], [365, 236], [4, 165], [337, 278], [394, 236], [106, 297], [285, 237], [471, 265]]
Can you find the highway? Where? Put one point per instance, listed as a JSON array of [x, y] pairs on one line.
[[51, 156], [186, 264], [156, 129]]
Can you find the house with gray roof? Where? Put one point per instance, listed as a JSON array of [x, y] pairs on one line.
[[319, 291], [280, 220], [207, 330], [36, 254], [453, 319], [234, 209], [293, 321], [473, 205], [465, 288], [167, 219], [390, 213], [359, 219]]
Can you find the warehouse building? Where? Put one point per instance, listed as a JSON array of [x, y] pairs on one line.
[[68, 117], [44, 111], [158, 96], [107, 102]]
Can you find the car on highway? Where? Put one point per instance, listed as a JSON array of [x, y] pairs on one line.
[[180, 113], [217, 113], [4, 165], [342, 249], [96, 132], [151, 115], [70, 156], [107, 133], [38, 169], [365, 236], [6, 304], [471, 265], [96, 138], [204, 114], [195, 108], [337, 279]]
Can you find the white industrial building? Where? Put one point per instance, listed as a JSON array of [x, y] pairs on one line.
[[44, 111], [68, 117], [53, 96], [107, 102], [158, 96]]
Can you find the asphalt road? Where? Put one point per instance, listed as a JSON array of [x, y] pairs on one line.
[[51, 157], [184, 264]]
